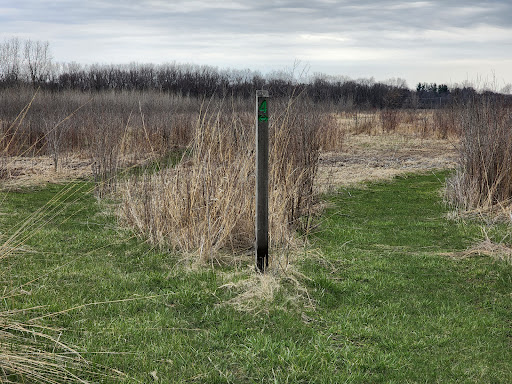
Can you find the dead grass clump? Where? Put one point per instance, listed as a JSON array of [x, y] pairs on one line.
[[254, 292], [446, 122], [258, 292], [205, 204], [487, 248], [4, 171], [484, 173]]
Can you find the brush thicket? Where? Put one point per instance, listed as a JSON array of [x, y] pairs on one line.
[[330, 134], [205, 205], [389, 119], [484, 174], [112, 130]]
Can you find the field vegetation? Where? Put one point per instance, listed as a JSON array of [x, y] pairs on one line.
[[126, 227]]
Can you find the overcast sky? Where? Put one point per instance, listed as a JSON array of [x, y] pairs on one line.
[[443, 41]]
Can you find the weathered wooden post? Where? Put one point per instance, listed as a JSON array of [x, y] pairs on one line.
[[262, 180]]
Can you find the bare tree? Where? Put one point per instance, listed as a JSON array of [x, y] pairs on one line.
[[10, 60], [38, 60]]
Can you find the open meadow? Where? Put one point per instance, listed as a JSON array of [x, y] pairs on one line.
[[127, 241]]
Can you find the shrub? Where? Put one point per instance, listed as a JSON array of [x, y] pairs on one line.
[[484, 172], [206, 205], [390, 119]]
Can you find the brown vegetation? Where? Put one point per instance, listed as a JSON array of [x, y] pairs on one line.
[[206, 203], [102, 132], [484, 173]]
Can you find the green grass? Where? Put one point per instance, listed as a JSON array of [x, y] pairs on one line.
[[389, 307]]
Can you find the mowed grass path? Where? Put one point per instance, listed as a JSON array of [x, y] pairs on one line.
[[408, 313], [390, 307]]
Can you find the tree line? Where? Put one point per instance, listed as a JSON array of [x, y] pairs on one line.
[[30, 63]]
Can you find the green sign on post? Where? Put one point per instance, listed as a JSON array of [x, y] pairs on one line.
[[263, 111], [261, 180]]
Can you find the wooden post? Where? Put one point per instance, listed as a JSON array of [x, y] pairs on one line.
[[262, 180]]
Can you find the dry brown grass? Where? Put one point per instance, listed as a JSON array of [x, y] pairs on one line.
[[389, 119], [358, 122], [331, 134], [257, 292], [381, 157], [205, 205], [484, 173], [429, 124], [497, 251], [32, 354], [108, 131]]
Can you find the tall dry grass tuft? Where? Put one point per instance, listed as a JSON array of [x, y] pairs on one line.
[[484, 174], [446, 122], [205, 205], [363, 123]]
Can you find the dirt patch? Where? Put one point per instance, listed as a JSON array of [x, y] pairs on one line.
[[364, 158], [31, 171], [39, 170], [381, 157]]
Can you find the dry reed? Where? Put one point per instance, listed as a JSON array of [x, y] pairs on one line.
[[484, 174], [205, 205], [330, 134]]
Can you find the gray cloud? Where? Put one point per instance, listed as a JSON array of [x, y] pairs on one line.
[[357, 37]]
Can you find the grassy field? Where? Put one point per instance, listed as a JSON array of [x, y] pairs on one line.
[[390, 304]]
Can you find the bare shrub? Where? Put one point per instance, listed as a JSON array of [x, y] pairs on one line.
[[445, 122], [112, 130], [104, 152], [4, 172], [390, 119], [205, 205], [484, 174], [168, 119], [410, 116]]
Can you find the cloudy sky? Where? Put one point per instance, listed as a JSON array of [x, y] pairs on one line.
[[443, 41]]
